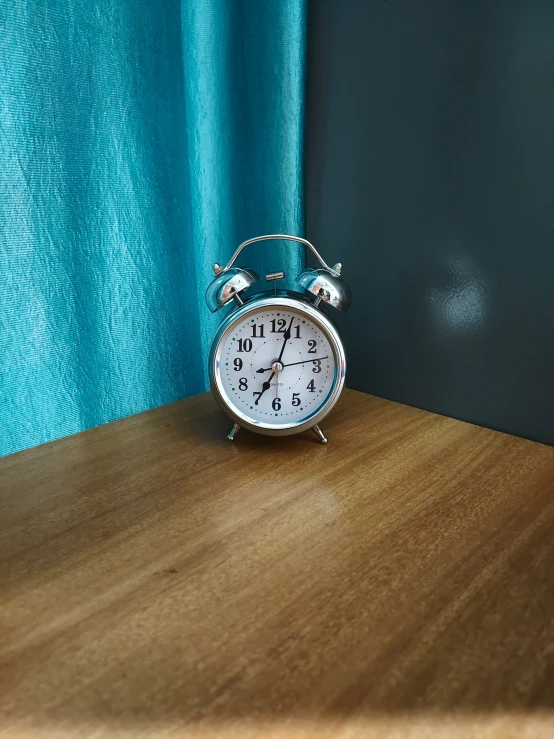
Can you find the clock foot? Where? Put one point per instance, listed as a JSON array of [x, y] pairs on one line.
[[234, 431], [320, 435]]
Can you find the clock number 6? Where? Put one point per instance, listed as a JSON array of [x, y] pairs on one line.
[[276, 404]]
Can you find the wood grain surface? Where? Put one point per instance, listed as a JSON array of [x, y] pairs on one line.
[[158, 580]]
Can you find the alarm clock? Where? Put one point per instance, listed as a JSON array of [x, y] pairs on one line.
[[277, 364]]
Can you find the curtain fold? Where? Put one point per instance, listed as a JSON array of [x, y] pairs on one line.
[[140, 142]]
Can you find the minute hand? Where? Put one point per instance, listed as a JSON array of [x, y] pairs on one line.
[[319, 359], [286, 337], [267, 384]]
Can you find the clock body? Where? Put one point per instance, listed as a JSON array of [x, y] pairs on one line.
[[277, 364]]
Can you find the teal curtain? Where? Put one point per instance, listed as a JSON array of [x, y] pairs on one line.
[[141, 141]]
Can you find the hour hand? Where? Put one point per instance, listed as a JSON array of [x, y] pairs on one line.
[[265, 386]]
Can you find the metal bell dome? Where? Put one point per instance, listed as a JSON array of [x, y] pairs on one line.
[[327, 287], [227, 286]]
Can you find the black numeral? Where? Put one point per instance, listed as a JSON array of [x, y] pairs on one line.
[[297, 328], [281, 323], [243, 383], [276, 405], [311, 386], [238, 364], [258, 331], [296, 398], [317, 365], [312, 343], [259, 396], [245, 345]]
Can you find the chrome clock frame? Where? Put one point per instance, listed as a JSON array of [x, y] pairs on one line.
[[296, 303]]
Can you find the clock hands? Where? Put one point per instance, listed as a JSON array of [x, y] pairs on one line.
[[319, 359], [267, 384]]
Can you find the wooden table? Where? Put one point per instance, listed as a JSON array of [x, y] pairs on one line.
[[158, 580]]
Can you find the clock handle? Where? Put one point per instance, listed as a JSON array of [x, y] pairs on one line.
[[335, 270]]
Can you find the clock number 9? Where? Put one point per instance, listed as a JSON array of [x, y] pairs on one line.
[[238, 364]]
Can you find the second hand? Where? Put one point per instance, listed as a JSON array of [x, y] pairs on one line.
[[292, 364]]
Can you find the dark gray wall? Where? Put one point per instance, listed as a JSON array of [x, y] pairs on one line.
[[430, 175]]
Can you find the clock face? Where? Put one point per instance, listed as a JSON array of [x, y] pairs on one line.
[[276, 366]]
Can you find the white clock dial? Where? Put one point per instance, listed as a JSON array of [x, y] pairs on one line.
[[276, 366]]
